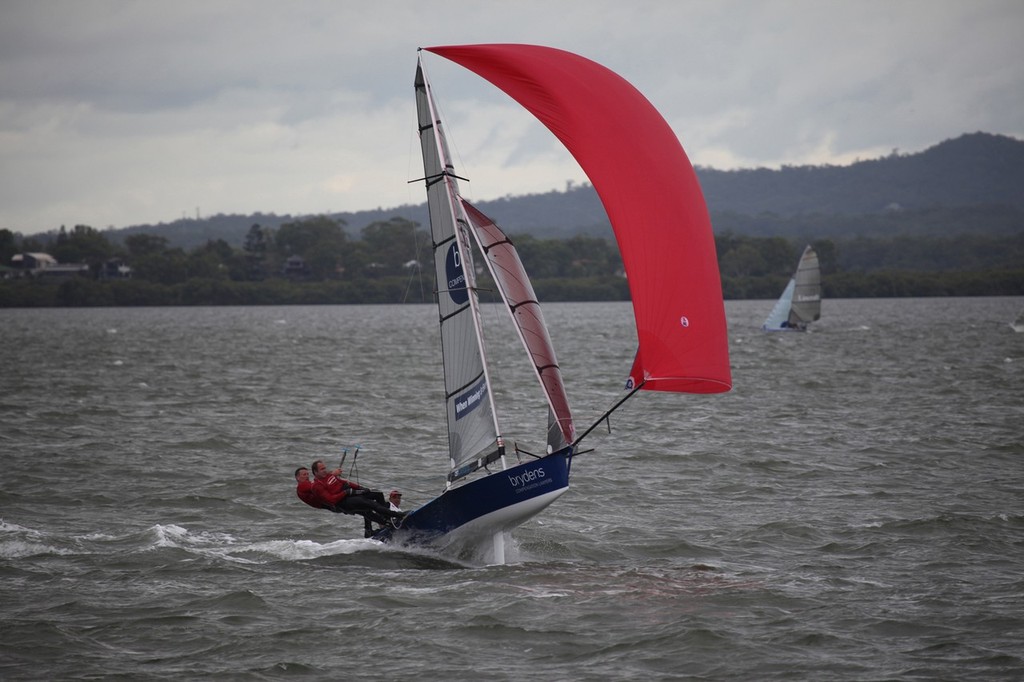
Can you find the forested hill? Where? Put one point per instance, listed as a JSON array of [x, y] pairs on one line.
[[971, 184], [972, 170]]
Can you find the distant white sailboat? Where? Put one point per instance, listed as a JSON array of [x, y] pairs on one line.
[[1018, 324], [800, 303]]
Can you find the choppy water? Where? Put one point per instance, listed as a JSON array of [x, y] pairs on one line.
[[853, 509]]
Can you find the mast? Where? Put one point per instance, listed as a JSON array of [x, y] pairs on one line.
[[474, 436]]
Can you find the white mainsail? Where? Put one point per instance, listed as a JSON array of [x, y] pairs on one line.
[[473, 433]]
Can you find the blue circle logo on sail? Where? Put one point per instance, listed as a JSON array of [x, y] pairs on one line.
[[456, 277]]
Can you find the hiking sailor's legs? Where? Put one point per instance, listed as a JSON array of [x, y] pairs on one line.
[[368, 508]]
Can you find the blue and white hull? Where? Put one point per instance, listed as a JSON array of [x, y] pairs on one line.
[[485, 507]]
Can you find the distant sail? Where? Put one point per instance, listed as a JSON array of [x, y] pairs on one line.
[[800, 302]]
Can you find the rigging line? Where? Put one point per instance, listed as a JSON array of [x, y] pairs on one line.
[[474, 288], [522, 451], [577, 453], [573, 453], [605, 416], [417, 270], [408, 285], [519, 450]]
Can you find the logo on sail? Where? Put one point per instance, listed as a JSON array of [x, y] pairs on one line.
[[470, 400], [456, 277]]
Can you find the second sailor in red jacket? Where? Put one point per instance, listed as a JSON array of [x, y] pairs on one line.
[[329, 491]]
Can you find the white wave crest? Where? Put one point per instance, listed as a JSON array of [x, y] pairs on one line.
[[229, 548], [17, 549], [18, 542]]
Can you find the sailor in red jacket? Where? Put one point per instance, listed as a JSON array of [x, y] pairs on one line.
[[330, 487], [329, 491], [304, 488]]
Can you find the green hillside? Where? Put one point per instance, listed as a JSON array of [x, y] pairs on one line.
[[970, 184]]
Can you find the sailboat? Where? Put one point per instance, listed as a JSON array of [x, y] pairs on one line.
[[1018, 324], [800, 303], [656, 208]]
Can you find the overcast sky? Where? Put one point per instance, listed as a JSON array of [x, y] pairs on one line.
[[116, 113]]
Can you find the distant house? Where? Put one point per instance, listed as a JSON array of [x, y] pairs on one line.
[[115, 268], [32, 261], [295, 268], [40, 265]]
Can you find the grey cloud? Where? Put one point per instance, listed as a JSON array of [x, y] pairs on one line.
[[91, 91]]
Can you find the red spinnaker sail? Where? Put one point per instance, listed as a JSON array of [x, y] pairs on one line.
[[650, 192]]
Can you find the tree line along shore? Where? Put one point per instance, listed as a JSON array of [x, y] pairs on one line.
[[314, 261]]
